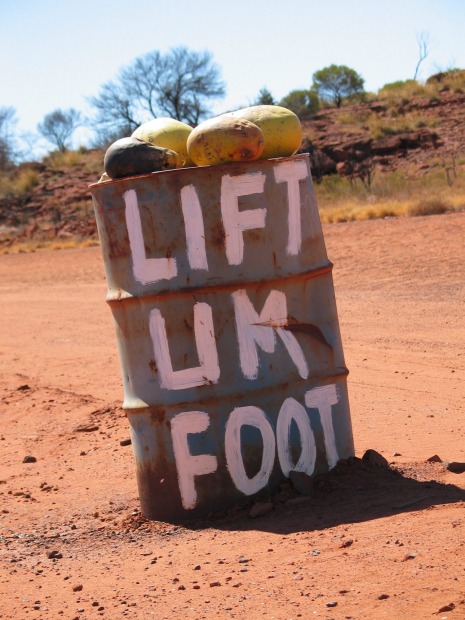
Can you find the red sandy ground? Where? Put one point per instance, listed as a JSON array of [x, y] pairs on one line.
[[369, 543]]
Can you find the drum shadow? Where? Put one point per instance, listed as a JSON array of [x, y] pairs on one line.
[[352, 492]]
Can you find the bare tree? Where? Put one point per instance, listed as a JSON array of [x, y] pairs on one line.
[[140, 84], [449, 164], [366, 172], [359, 165], [187, 81], [7, 137], [116, 113], [179, 84], [59, 126], [424, 49]]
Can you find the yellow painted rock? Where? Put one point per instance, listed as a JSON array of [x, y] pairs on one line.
[[281, 128], [167, 133], [224, 139]]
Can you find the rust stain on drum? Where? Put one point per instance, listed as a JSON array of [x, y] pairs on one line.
[[232, 363]]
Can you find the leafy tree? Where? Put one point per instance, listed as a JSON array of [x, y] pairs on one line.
[[7, 138], [59, 126], [264, 97], [304, 103], [179, 84], [334, 83]]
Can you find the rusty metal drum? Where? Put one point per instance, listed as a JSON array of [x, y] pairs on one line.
[[231, 356]]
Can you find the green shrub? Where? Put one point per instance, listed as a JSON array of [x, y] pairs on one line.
[[399, 85], [304, 103]]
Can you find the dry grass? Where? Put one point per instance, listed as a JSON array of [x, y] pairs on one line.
[[430, 206], [17, 184], [388, 124], [66, 159], [91, 161], [399, 93], [354, 211], [391, 195], [380, 126]]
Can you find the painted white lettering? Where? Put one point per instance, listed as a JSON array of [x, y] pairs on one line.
[[207, 372], [235, 221], [291, 172], [253, 331], [295, 352], [195, 233], [187, 465], [146, 270], [293, 410], [322, 398], [251, 416]]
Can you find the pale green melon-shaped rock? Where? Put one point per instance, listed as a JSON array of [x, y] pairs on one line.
[[167, 133]]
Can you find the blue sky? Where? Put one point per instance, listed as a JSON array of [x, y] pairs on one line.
[[56, 53]]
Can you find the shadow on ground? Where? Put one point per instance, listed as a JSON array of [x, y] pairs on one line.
[[352, 492]]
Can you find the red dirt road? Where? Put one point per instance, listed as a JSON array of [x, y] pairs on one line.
[[369, 543]]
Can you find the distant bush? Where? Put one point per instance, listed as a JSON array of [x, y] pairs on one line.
[[264, 97], [399, 84], [304, 103], [335, 83], [453, 79], [430, 206], [401, 92]]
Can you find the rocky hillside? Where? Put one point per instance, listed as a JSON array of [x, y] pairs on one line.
[[414, 136], [59, 206]]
